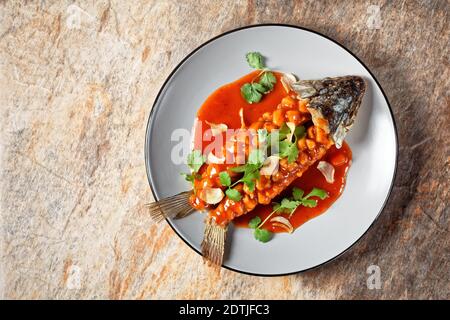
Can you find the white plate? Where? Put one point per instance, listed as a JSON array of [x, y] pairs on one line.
[[309, 55]]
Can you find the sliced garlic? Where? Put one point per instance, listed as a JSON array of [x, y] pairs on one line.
[[270, 166], [282, 222], [287, 80], [327, 170], [217, 128], [214, 159], [211, 195], [291, 127]]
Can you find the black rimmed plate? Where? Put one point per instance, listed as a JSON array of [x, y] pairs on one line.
[[309, 55]]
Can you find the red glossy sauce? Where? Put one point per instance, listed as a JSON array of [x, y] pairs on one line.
[[310, 179], [223, 106]]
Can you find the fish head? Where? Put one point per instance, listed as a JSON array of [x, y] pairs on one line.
[[332, 102]]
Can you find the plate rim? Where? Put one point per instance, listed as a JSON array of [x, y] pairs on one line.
[[169, 77]]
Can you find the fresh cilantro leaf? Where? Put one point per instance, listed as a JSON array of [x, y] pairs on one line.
[[299, 132], [267, 80], [250, 175], [191, 177], [262, 235], [250, 184], [310, 203], [256, 157], [195, 160], [252, 167], [289, 150], [254, 223], [188, 177], [284, 148], [249, 179], [250, 93], [259, 87], [251, 172], [283, 132], [276, 206], [233, 194], [239, 168], [225, 179], [286, 206], [316, 192], [297, 193], [255, 60], [289, 205]]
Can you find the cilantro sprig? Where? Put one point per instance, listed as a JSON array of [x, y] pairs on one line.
[[250, 93], [195, 160], [262, 235], [233, 194], [253, 92], [288, 206], [288, 146], [267, 80], [191, 177], [225, 180], [255, 60], [251, 168], [288, 150], [250, 172], [306, 201]]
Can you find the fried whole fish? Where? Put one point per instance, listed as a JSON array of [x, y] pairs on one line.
[[333, 104]]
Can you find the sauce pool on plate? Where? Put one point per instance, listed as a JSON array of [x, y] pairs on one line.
[[312, 178]]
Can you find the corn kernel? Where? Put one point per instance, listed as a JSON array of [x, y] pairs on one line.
[[302, 104], [287, 101], [278, 117], [311, 144]]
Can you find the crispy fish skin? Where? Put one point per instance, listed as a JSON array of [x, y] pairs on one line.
[[227, 210], [335, 100]]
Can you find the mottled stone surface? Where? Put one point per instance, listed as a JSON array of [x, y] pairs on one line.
[[75, 97]]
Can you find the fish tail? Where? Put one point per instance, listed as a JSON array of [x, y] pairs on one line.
[[213, 244], [176, 206]]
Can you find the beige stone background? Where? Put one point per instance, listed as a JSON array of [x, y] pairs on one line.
[[77, 85]]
